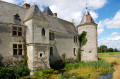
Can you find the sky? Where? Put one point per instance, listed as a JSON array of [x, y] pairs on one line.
[[106, 13]]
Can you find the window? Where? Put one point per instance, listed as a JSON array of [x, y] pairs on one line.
[[51, 50], [51, 36], [17, 17], [16, 31], [75, 39], [40, 54], [74, 52], [43, 32], [17, 49]]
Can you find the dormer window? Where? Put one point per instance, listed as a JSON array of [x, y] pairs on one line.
[[43, 32], [17, 17]]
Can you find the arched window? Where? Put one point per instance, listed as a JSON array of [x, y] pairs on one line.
[[43, 32]]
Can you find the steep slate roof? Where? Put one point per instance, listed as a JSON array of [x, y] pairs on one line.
[[34, 12], [59, 25], [47, 11], [84, 19], [8, 10]]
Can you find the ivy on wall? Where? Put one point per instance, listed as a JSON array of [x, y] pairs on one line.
[[82, 41]]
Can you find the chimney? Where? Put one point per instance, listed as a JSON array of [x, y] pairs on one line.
[[26, 5], [55, 15], [88, 18]]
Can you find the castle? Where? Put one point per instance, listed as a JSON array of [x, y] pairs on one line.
[[42, 36]]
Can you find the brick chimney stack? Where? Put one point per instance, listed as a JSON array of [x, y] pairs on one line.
[[55, 15], [26, 5]]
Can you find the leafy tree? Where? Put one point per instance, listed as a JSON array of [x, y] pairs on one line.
[[103, 48], [99, 50], [115, 50], [82, 41], [110, 49]]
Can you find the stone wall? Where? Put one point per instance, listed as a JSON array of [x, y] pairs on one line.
[[7, 41], [63, 44], [89, 50], [37, 45]]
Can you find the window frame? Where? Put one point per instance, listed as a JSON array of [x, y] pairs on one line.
[[17, 30], [18, 49], [51, 36], [51, 51], [43, 32], [74, 51], [75, 39]]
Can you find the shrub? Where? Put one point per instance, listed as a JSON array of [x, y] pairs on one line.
[[14, 72], [43, 72], [57, 65]]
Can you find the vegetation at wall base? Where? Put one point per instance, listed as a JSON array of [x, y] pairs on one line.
[[57, 65], [100, 64], [14, 72], [43, 72]]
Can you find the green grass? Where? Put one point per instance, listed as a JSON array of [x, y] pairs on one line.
[[110, 53], [43, 72], [101, 64], [73, 70]]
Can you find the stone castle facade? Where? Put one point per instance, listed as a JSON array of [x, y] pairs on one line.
[[42, 36]]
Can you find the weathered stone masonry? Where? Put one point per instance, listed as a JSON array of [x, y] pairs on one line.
[[42, 36]]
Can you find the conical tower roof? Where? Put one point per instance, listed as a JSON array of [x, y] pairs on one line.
[[87, 18], [48, 11]]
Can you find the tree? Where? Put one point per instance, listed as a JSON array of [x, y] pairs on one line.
[[103, 48], [99, 50], [82, 41], [115, 50], [110, 49]]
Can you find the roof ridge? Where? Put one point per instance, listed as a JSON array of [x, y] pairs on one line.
[[59, 18], [13, 4]]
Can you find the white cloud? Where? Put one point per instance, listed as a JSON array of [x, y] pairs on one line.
[[110, 42], [68, 9], [94, 15], [114, 33], [113, 23], [100, 28]]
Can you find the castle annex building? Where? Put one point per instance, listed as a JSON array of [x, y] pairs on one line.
[[42, 36]]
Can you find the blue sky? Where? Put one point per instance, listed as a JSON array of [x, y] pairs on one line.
[[106, 14]]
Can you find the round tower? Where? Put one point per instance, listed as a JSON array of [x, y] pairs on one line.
[[89, 50]]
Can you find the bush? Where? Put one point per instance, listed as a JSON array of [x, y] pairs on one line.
[[43, 72], [14, 72], [57, 65]]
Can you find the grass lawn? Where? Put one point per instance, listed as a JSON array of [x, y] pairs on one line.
[[110, 53]]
